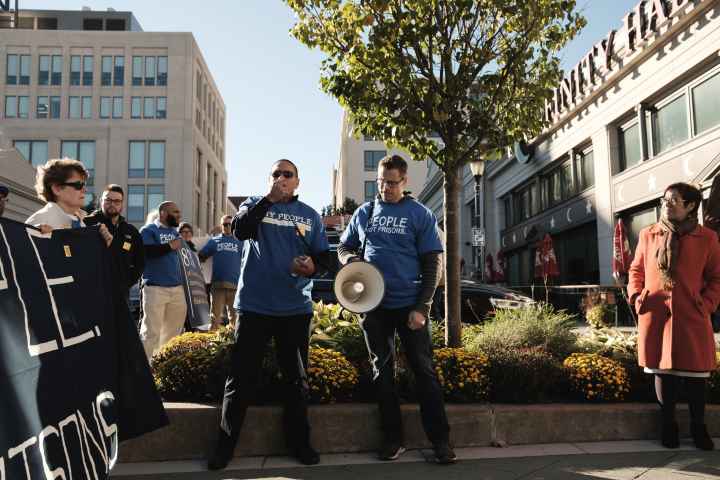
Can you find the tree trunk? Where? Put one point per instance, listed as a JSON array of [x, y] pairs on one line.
[[451, 190]]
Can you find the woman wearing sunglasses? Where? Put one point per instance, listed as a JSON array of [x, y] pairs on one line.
[[61, 183]]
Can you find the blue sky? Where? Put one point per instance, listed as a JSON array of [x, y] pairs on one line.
[[269, 81]]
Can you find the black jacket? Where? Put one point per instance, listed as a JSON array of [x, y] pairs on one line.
[[127, 246]]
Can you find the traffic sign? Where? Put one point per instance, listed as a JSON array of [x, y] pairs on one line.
[[478, 237]]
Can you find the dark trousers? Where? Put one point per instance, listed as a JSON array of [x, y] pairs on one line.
[[379, 327], [252, 334]]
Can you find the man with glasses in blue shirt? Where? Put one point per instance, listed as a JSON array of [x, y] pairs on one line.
[[285, 244], [399, 235]]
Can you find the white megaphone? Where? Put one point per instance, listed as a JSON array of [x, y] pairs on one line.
[[359, 287]]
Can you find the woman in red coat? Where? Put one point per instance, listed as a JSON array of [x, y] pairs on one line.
[[674, 284]]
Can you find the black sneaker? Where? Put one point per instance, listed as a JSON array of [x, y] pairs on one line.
[[701, 437], [444, 454], [222, 455], [669, 435], [391, 451], [307, 455]]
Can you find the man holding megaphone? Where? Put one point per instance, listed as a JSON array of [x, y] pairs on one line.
[[398, 236]]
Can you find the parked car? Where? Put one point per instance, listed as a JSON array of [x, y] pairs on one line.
[[477, 299]]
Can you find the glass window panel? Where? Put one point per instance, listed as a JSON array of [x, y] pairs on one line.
[[137, 71], [69, 150], [149, 107], [136, 203], [636, 222], [107, 67], [56, 78], [11, 107], [23, 149], [44, 70], [155, 196], [588, 169], [86, 107], [706, 104], [557, 189], [87, 157], [162, 71], [74, 110], [75, 64], [119, 72], [670, 125], [39, 153], [372, 159], [161, 107], [54, 107], [24, 70], [630, 147], [117, 111], [136, 163], [12, 69], [157, 160], [136, 107], [149, 71], [43, 107], [87, 70], [105, 107], [567, 180], [370, 190], [23, 107]]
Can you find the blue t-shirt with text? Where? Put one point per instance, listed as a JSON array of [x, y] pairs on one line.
[[226, 251], [397, 236], [266, 284], [163, 271]]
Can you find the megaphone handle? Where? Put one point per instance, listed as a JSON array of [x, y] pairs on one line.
[[361, 254]]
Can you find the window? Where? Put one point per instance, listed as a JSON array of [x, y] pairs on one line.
[[43, 107], [585, 169], [105, 107], [149, 71], [136, 107], [136, 203], [113, 24], [162, 71], [83, 151], [372, 158], [44, 70], [87, 79], [507, 203], [198, 85], [11, 107], [567, 181], [117, 110], [156, 162], [670, 125], [23, 107], [136, 162], [196, 206], [12, 68], [47, 23], [75, 65], [137, 71], [119, 71], [86, 107], [34, 151], [24, 70], [370, 190], [630, 154], [706, 104], [161, 111], [198, 167], [54, 107], [106, 74], [638, 220], [56, 74], [74, 108], [92, 24], [149, 107]]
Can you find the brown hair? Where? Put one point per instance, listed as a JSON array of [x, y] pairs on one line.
[[114, 188], [689, 193], [55, 172], [394, 162]]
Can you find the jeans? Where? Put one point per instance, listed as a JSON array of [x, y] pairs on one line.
[[379, 328], [252, 334]]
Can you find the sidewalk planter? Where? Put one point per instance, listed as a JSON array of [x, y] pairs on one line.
[[345, 428]]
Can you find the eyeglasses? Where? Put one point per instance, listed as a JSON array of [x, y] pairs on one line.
[[113, 201], [186, 231], [284, 173], [76, 185], [227, 224], [390, 183], [673, 201]]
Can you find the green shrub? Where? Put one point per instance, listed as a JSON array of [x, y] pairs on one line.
[[600, 315], [533, 326], [337, 329], [526, 375]]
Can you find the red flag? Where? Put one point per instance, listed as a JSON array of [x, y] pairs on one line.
[[621, 250], [545, 260], [500, 272], [489, 269]]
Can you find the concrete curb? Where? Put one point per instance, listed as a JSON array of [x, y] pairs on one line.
[[347, 428]]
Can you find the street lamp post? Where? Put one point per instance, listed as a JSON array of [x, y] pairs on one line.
[[477, 168]]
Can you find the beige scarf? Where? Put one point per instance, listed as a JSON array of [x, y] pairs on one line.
[[667, 253]]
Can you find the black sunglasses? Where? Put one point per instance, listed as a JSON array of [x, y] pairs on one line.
[[284, 173], [76, 185], [227, 224]]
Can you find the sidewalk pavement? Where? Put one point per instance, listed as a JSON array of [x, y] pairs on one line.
[[643, 460]]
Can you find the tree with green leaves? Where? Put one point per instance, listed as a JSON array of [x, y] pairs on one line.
[[474, 72]]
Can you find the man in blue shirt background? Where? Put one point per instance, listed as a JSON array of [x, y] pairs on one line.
[[227, 253], [164, 306], [401, 238], [285, 243]]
